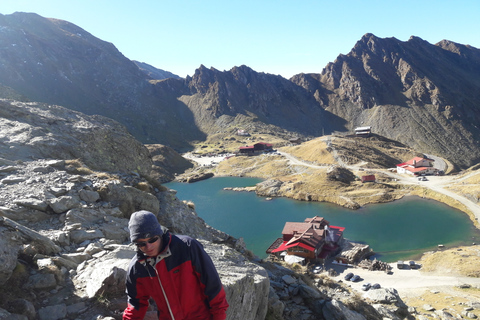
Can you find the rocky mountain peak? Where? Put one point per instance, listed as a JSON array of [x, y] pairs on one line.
[[380, 81]]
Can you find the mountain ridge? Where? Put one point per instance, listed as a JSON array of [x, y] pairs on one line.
[[420, 94]]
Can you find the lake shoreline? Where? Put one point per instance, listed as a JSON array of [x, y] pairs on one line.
[[209, 203]]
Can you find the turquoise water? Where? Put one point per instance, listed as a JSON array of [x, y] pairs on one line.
[[401, 229]]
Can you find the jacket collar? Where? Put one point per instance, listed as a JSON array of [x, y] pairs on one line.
[[164, 252]]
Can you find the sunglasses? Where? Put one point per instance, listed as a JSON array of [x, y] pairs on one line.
[[142, 244]]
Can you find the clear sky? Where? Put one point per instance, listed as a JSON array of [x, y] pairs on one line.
[[272, 36]]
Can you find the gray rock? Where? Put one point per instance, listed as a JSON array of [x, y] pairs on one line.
[[41, 281], [106, 274], [130, 199], [428, 307], [4, 314], [383, 295], [13, 180], [76, 308], [46, 246], [469, 315], [70, 135], [309, 293], [65, 263], [79, 236], [336, 310], [289, 279], [77, 258], [8, 254], [444, 315], [63, 204], [246, 284], [89, 195], [55, 312], [32, 203], [275, 306], [22, 307]]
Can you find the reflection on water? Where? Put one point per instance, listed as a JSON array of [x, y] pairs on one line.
[[397, 230]]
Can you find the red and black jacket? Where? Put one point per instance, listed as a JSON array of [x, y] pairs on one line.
[[182, 280]]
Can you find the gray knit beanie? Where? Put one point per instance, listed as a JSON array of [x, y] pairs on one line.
[[143, 224]]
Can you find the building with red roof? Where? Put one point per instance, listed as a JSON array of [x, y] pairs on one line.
[[313, 240], [417, 166], [257, 148]]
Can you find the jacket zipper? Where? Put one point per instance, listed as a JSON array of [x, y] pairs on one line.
[[164, 294]]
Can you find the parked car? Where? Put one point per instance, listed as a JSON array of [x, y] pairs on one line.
[[317, 269], [355, 278], [366, 286], [349, 276], [376, 286]]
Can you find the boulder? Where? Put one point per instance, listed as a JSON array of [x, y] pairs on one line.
[[246, 284], [106, 274], [8, 253], [336, 310], [383, 295]]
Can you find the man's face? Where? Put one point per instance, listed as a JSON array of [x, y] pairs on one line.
[[149, 246]]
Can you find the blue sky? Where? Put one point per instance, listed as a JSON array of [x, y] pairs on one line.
[[274, 36]]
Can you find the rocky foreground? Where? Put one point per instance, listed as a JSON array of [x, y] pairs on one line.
[[64, 245]]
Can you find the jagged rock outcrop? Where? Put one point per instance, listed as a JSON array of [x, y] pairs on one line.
[[423, 95], [64, 232], [220, 101], [40, 131], [81, 253], [166, 162], [420, 94]]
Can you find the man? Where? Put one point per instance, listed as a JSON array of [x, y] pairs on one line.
[[175, 271]]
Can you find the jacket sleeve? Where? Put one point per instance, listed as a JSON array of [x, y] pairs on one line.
[[137, 303], [210, 280]]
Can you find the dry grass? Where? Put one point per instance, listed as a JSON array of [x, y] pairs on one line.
[[262, 166], [453, 300], [76, 166], [315, 151], [463, 261], [230, 143]]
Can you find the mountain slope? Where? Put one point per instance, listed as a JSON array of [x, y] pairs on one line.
[[426, 96], [220, 100], [56, 62], [153, 72]]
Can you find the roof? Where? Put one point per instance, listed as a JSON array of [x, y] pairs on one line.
[[292, 227], [363, 128], [284, 246], [412, 169], [274, 245], [247, 148], [265, 144], [413, 161], [417, 159]]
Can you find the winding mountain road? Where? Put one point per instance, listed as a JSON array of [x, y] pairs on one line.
[[435, 183]]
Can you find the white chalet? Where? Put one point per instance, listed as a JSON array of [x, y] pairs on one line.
[[417, 166]]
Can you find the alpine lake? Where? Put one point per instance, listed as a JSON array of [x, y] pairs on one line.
[[399, 230]]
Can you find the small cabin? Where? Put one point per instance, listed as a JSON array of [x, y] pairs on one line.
[[363, 131], [368, 178]]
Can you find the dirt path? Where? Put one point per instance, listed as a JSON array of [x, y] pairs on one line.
[[436, 183], [405, 281]]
